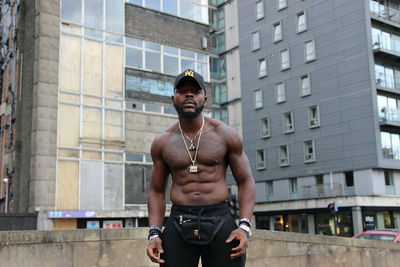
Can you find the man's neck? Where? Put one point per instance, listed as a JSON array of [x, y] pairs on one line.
[[191, 125]]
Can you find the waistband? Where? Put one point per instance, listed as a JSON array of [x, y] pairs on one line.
[[223, 206]]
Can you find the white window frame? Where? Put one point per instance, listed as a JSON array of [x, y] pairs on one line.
[[307, 156], [287, 163], [269, 184], [304, 93], [298, 30], [261, 2], [284, 4], [277, 100], [275, 25], [264, 164], [313, 56], [284, 122], [268, 134], [313, 123], [262, 102], [259, 68], [283, 68], [252, 41]]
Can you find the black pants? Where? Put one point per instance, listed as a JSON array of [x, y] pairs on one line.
[[178, 253]]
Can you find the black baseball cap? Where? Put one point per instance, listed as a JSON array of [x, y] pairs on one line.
[[191, 74]]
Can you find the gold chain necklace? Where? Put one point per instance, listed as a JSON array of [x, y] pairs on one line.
[[193, 167]]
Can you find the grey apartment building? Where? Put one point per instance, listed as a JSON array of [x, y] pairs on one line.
[[320, 82]]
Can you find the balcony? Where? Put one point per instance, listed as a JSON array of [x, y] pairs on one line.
[[389, 117], [391, 152], [386, 46], [322, 190], [385, 13]]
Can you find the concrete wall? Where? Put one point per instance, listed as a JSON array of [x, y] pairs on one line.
[[126, 247]]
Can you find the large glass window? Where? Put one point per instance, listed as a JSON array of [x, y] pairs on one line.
[[265, 131], [114, 13], [217, 19], [220, 114], [387, 76], [218, 67], [71, 10], [93, 13], [218, 43], [282, 4], [305, 85], [390, 145], [220, 95]]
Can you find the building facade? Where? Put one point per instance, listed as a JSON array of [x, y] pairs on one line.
[[94, 89], [320, 112]]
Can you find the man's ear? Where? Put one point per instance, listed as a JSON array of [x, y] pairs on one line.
[[173, 99], [205, 99]]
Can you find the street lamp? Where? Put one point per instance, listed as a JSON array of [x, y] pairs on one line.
[[6, 206]]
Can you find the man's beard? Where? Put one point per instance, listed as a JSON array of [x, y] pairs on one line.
[[184, 114]]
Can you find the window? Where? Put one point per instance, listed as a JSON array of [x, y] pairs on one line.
[[265, 131], [262, 67], [217, 19], [390, 145], [260, 159], [218, 43], [277, 31], [220, 114], [387, 75], [269, 189], [389, 109], [349, 176], [293, 185], [309, 51], [258, 101], [218, 68], [283, 155], [255, 40], [282, 4], [260, 10], [301, 22], [305, 85], [280, 92], [309, 153], [285, 60], [388, 178], [313, 116], [220, 95], [288, 122]]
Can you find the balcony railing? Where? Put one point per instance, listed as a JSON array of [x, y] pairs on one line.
[[386, 44], [382, 11], [389, 116], [322, 190], [391, 152]]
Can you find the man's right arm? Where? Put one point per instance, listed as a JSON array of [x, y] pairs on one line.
[[156, 198]]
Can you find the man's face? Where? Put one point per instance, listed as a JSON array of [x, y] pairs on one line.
[[189, 99]]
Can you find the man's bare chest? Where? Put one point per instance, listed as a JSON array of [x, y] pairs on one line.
[[211, 151]]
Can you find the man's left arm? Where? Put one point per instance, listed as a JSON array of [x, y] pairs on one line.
[[241, 171]]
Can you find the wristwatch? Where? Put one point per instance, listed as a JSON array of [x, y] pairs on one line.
[[246, 229]]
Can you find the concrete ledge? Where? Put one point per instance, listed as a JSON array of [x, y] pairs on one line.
[[126, 247]]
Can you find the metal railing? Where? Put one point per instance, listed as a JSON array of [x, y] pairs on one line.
[[322, 190], [382, 11], [391, 152], [389, 116]]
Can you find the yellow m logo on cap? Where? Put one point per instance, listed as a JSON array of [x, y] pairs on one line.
[[189, 73]]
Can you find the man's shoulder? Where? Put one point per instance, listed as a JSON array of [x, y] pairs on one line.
[[222, 128]]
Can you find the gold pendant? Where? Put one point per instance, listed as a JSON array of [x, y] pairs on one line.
[[193, 168]]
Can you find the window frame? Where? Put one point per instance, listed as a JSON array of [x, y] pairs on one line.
[[252, 41], [264, 160], [284, 122], [268, 128], [254, 99], [277, 101], [259, 68], [274, 30], [285, 164], [302, 92], [293, 184], [314, 55], [269, 185], [281, 61], [298, 31], [310, 117], [306, 159], [263, 11]]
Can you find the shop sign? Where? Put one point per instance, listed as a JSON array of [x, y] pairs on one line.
[[112, 224], [369, 222], [55, 214], [93, 224]]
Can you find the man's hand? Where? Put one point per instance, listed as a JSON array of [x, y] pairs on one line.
[[154, 249], [241, 236]]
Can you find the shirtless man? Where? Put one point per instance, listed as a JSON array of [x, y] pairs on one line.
[[196, 151]]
